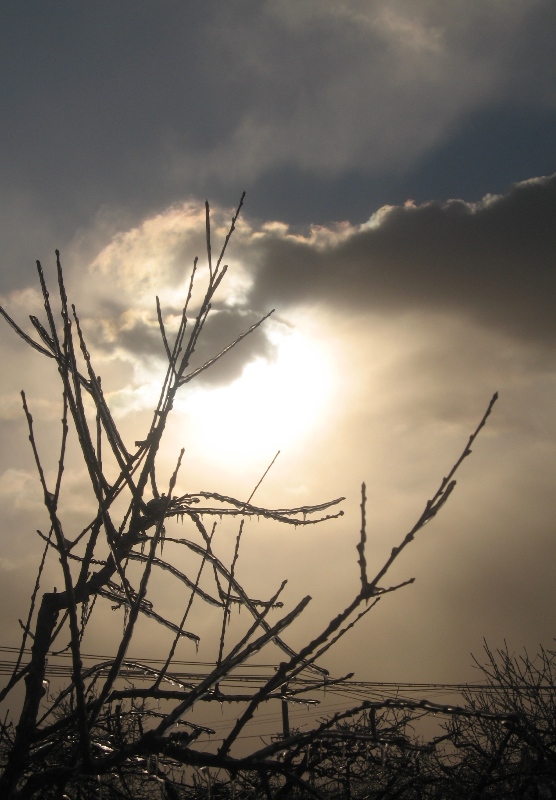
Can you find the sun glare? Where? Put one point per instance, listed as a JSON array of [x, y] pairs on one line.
[[274, 405]]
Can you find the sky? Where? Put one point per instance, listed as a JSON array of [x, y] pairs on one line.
[[399, 164]]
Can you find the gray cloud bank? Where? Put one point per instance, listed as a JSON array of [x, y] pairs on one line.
[[492, 261], [129, 106]]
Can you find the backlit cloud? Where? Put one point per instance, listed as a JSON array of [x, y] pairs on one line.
[[490, 261]]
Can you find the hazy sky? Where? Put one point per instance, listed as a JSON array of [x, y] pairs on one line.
[[399, 160]]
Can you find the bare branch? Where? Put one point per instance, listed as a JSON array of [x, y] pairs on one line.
[[23, 335], [223, 352]]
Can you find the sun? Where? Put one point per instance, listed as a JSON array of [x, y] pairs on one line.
[[275, 404]]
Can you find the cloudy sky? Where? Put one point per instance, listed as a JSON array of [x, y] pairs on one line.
[[399, 161]]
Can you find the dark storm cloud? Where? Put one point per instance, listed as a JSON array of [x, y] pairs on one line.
[[493, 261], [135, 106]]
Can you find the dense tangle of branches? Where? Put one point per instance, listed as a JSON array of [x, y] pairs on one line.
[[104, 734]]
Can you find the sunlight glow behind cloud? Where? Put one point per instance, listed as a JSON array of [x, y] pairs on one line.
[[274, 405]]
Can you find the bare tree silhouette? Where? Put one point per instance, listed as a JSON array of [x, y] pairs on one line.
[[105, 732]]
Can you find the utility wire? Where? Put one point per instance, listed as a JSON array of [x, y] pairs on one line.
[[60, 665]]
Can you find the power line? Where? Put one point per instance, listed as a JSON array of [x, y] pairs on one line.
[[59, 665]]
